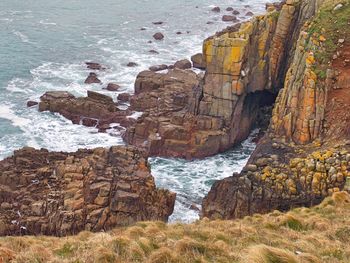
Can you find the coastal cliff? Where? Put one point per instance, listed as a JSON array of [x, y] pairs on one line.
[[299, 161]]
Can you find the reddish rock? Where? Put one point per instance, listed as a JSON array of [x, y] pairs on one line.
[[56, 193], [31, 103], [112, 87], [94, 110], [183, 64], [123, 97], [158, 36], [216, 9], [92, 78], [229, 18]]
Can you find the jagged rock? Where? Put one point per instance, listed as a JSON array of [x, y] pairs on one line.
[[55, 193], [31, 103], [279, 187], [94, 110], [198, 61], [92, 78], [158, 36], [183, 64]]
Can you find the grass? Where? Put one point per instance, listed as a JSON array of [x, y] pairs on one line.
[[317, 234], [331, 25]]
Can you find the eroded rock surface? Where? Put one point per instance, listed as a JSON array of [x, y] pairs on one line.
[[55, 193], [95, 110]]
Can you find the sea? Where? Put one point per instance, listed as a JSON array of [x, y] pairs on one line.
[[44, 46]]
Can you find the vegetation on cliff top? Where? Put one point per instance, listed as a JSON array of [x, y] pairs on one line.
[[331, 25], [318, 234]]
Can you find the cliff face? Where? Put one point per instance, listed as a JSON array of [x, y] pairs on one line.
[[54, 193], [244, 65], [304, 155]]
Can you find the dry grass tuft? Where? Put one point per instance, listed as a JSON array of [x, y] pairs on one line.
[[306, 235], [266, 254]]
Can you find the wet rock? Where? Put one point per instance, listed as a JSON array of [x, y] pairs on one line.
[[198, 61], [249, 14], [31, 103], [178, 33], [158, 67], [112, 87], [229, 9], [143, 28], [123, 97], [132, 64], [94, 66], [62, 194], [94, 110], [158, 36], [235, 12], [183, 64], [92, 78], [194, 207], [229, 18], [216, 9], [152, 51], [158, 23]]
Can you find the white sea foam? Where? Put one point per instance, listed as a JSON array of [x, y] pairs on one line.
[[7, 113], [24, 38]]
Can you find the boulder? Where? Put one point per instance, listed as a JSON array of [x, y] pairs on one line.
[[158, 67], [198, 61], [57, 193], [112, 87], [249, 14], [158, 36], [235, 12], [216, 9], [183, 64], [92, 78], [229, 9], [132, 64], [229, 18], [152, 51]]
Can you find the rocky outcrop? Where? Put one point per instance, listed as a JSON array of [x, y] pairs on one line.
[[278, 181], [96, 110], [55, 193]]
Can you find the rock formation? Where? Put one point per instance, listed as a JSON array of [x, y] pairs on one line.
[[305, 154], [96, 110], [55, 193]]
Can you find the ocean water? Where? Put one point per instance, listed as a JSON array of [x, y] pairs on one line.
[[44, 44]]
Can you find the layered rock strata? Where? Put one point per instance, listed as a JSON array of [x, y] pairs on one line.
[[55, 193]]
